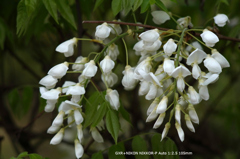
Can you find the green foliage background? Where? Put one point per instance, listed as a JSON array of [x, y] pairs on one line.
[[30, 30]]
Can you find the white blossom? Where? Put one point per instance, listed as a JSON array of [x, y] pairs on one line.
[[67, 47], [79, 63], [152, 48], [162, 106], [79, 151], [110, 78], [112, 97], [195, 44], [212, 65], [194, 97], [220, 58], [159, 121], [178, 113], [59, 70], [169, 47], [221, 19], [53, 129], [189, 123], [128, 80], [78, 116], [59, 119], [107, 64], [144, 88], [139, 47], [180, 131], [66, 85], [90, 69], [48, 81], [149, 37], [152, 92], [152, 116], [143, 69], [80, 132], [203, 90], [76, 91], [184, 22], [102, 31], [153, 105], [116, 28], [58, 137], [209, 38], [165, 130], [112, 51], [210, 79], [160, 17], [192, 114], [168, 66]]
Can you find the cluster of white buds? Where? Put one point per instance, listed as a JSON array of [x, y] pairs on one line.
[[162, 71]]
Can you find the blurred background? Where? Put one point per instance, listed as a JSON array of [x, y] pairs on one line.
[[27, 52]]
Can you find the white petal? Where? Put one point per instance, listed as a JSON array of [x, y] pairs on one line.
[[168, 66], [66, 85], [169, 47], [144, 88], [79, 151], [165, 130], [53, 129], [57, 138], [90, 69], [151, 93], [48, 81], [180, 71], [149, 37], [162, 106], [189, 123], [79, 132], [102, 31], [212, 65], [76, 90], [203, 92], [160, 17], [53, 94], [107, 64], [178, 114], [211, 79], [59, 70], [159, 121], [50, 105], [220, 59], [78, 117], [209, 38], [59, 119], [180, 131], [152, 116], [192, 114], [67, 47], [196, 71], [180, 84], [220, 19], [196, 56], [112, 97], [152, 106]]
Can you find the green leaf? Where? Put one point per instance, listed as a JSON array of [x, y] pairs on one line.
[[145, 5], [51, 7], [137, 4], [91, 107], [22, 18], [175, 1], [161, 5], [13, 100], [100, 113], [124, 114], [26, 99], [35, 156], [139, 144], [97, 4], [234, 32], [97, 155], [225, 1], [127, 6], [30, 6], [23, 154], [152, 2], [112, 123], [66, 12], [116, 6], [115, 149], [167, 145]]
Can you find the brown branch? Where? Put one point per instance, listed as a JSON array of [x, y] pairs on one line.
[[222, 37]]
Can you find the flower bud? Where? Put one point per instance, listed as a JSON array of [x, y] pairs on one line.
[[102, 31], [162, 106], [107, 64], [189, 123], [48, 81], [79, 151], [160, 17], [220, 19], [90, 69], [159, 121], [209, 38], [80, 62], [169, 47], [180, 131], [165, 130], [96, 135], [67, 47], [112, 97], [59, 70], [58, 137]]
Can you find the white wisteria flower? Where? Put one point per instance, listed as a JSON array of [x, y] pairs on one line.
[[195, 58], [178, 113], [90, 69], [192, 114], [162, 106], [143, 69], [211, 78], [195, 44], [66, 85], [112, 97], [48, 81], [149, 37], [79, 63], [203, 90], [116, 28], [212, 65], [220, 58], [58, 137], [180, 131], [209, 38], [110, 78], [51, 97], [159, 121], [153, 105], [80, 132], [180, 73], [221, 19], [144, 88], [139, 47], [107, 64], [128, 80], [152, 48], [152, 116], [59, 70], [169, 47], [189, 123], [59, 119], [67, 47], [165, 130], [194, 97], [112, 51], [168, 66], [96, 135], [79, 151], [160, 17], [102, 31], [76, 91]]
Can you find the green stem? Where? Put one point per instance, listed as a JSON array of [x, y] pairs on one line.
[[125, 50]]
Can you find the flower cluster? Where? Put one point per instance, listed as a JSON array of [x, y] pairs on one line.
[[164, 67]]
